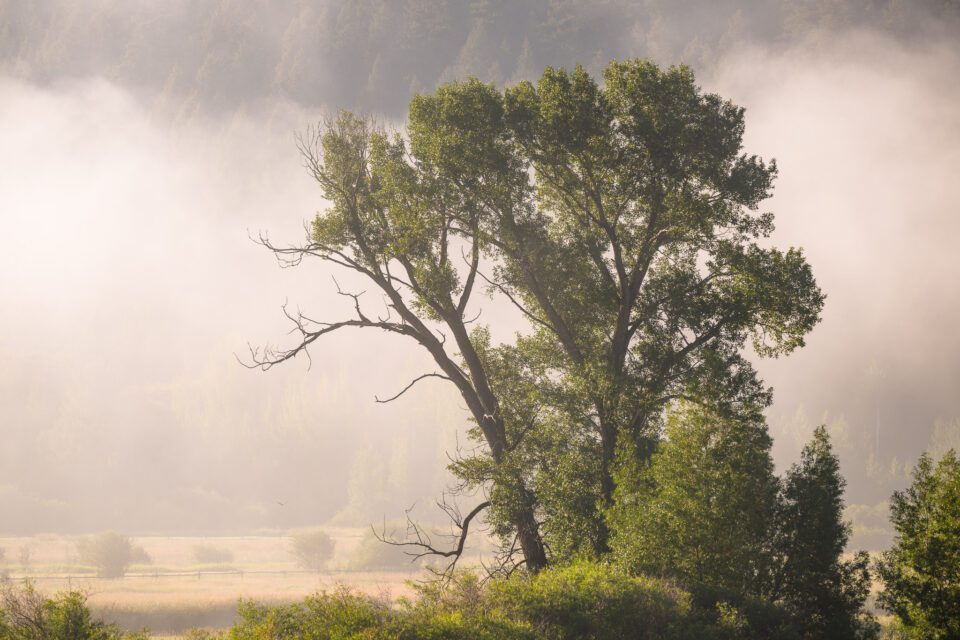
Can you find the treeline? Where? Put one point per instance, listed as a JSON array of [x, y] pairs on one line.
[[373, 54]]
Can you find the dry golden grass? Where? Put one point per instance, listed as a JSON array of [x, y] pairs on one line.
[[170, 605]]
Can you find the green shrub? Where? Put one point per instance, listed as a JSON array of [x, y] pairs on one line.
[[111, 553], [25, 614], [581, 601], [591, 601], [336, 615], [750, 617], [584, 600], [312, 549]]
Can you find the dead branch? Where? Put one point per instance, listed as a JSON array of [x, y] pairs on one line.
[[408, 387], [421, 541]]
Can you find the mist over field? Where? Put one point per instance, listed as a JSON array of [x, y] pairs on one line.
[[142, 144]]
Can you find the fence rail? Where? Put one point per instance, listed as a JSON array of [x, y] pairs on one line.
[[185, 574]]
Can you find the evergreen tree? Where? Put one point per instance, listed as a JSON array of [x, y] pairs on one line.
[[824, 593], [702, 511], [921, 573]]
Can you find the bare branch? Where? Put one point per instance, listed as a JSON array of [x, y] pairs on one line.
[[409, 386], [422, 541], [310, 330]]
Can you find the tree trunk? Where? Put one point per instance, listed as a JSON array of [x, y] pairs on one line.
[[528, 533]]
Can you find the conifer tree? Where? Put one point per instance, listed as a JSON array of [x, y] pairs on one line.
[[824, 593], [921, 573]]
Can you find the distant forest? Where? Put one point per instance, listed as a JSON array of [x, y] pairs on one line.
[[221, 55]]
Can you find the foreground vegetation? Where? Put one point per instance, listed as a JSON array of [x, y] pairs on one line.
[[812, 594], [584, 600]]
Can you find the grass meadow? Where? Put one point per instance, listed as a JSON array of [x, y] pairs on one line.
[[263, 570]]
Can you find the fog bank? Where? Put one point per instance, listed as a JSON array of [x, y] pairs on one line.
[[129, 282]]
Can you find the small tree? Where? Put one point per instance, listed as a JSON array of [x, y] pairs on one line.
[[824, 593], [703, 510], [26, 614], [312, 549], [921, 573], [111, 553]]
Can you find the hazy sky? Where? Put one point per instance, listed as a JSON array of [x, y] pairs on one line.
[[128, 282]]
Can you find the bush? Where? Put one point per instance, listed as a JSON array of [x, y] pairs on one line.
[[589, 600], [374, 554], [592, 601], [340, 614], [582, 601], [209, 554], [312, 549], [25, 614], [111, 554]]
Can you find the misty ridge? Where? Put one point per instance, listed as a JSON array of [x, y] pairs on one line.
[[222, 56], [140, 147]]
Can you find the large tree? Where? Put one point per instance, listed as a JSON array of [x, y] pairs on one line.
[[621, 218], [623, 221]]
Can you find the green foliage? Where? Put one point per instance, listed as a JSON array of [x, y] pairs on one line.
[[312, 549], [702, 511], [824, 593], [635, 252], [921, 573], [592, 601], [595, 601], [584, 600], [25, 614], [111, 553], [332, 616]]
